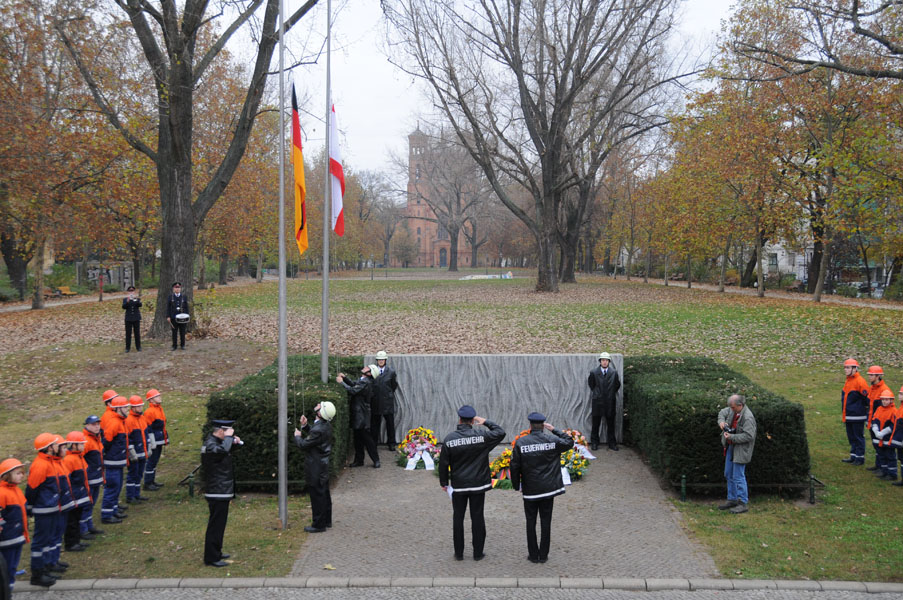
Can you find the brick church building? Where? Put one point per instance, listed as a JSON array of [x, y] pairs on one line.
[[431, 238]]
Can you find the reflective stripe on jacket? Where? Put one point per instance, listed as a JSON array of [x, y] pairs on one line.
[[115, 444], [465, 452], [884, 420], [42, 493], [854, 399], [536, 463], [75, 463], [93, 456], [12, 511]]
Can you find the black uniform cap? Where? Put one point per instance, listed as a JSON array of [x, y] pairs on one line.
[[223, 423], [467, 412], [536, 417]]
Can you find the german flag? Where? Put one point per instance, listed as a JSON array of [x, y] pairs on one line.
[[298, 168]]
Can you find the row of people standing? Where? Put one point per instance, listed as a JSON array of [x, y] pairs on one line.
[[64, 481], [177, 315], [870, 405]]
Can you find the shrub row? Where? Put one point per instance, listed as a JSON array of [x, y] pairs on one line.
[[253, 403], [673, 404]]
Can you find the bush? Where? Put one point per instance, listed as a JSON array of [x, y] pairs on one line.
[[8, 294], [673, 403], [253, 403], [846, 290], [894, 291]]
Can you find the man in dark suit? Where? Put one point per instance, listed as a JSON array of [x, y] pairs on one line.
[[604, 383], [177, 305], [219, 487], [131, 304], [383, 406]]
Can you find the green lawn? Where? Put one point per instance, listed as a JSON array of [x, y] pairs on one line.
[[794, 348]]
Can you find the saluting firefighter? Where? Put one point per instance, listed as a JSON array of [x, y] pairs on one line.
[[383, 407], [604, 384], [134, 427], [177, 315], [854, 410], [464, 472], [316, 441], [157, 437], [219, 487], [536, 471], [875, 377]]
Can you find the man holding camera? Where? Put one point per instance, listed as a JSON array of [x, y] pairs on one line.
[[316, 440], [219, 488], [738, 436]]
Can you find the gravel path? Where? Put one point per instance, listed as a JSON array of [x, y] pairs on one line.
[[616, 522]]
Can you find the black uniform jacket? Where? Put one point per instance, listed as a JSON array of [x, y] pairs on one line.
[[385, 386], [318, 446], [216, 461], [359, 395], [536, 463], [465, 452], [175, 306], [605, 390], [132, 309]]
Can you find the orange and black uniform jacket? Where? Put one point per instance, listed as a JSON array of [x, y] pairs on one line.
[[885, 417], [135, 425], [855, 399], [78, 477], [115, 443], [67, 498], [875, 397], [42, 494], [896, 437], [13, 516], [93, 456], [156, 424]]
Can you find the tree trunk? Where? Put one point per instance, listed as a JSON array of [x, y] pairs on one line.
[[822, 271], [667, 260], [747, 278], [689, 271], [224, 268], [260, 263], [136, 269], [760, 275], [16, 259], [37, 299], [727, 249], [244, 265], [202, 270], [453, 234], [547, 274], [630, 260]]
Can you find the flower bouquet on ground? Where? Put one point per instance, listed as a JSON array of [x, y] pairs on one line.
[[580, 444], [575, 463], [418, 450], [500, 470]]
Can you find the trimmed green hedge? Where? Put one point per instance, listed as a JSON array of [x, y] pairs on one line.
[[253, 403], [673, 405]]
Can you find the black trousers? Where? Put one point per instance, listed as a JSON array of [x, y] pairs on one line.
[[130, 327], [609, 429], [179, 329], [216, 529], [376, 422], [477, 522], [72, 534], [544, 508], [320, 503], [363, 439]]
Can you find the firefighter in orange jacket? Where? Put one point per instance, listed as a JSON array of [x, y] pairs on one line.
[[13, 516], [854, 410], [135, 426], [157, 437], [896, 438], [115, 458], [882, 427], [42, 495], [94, 459], [875, 377], [77, 468]]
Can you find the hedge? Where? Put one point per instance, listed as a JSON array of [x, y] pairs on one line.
[[253, 403], [672, 405]]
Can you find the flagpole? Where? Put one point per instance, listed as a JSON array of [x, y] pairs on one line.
[[327, 209], [283, 340]]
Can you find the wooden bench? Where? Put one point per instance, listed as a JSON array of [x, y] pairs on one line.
[[49, 293], [66, 292]]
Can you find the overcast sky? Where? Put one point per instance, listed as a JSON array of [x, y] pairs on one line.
[[377, 105]]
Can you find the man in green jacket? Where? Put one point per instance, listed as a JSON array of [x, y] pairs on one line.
[[739, 438]]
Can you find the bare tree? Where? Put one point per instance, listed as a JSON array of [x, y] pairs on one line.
[[179, 42], [873, 40], [525, 84]]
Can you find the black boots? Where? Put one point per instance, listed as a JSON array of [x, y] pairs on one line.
[[39, 577]]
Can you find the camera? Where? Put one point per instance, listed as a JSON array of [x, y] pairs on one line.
[[730, 430]]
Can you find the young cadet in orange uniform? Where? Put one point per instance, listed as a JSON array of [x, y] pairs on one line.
[[67, 504], [875, 377], [94, 459], [135, 426], [109, 415], [115, 452], [896, 438], [157, 437], [77, 468], [13, 517], [855, 410], [882, 432], [42, 495]]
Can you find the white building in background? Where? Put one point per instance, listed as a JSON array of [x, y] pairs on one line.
[[779, 259]]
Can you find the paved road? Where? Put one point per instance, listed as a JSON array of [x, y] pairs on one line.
[[446, 594], [616, 522]]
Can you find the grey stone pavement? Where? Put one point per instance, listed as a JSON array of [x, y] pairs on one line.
[[616, 522]]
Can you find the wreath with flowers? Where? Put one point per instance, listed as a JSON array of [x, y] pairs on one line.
[[574, 460], [575, 463], [417, 441], [500, 470]]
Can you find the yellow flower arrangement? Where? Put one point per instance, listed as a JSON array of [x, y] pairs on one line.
[[575, 463]]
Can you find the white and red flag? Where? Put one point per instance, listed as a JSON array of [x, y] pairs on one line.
[[337, 175]]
